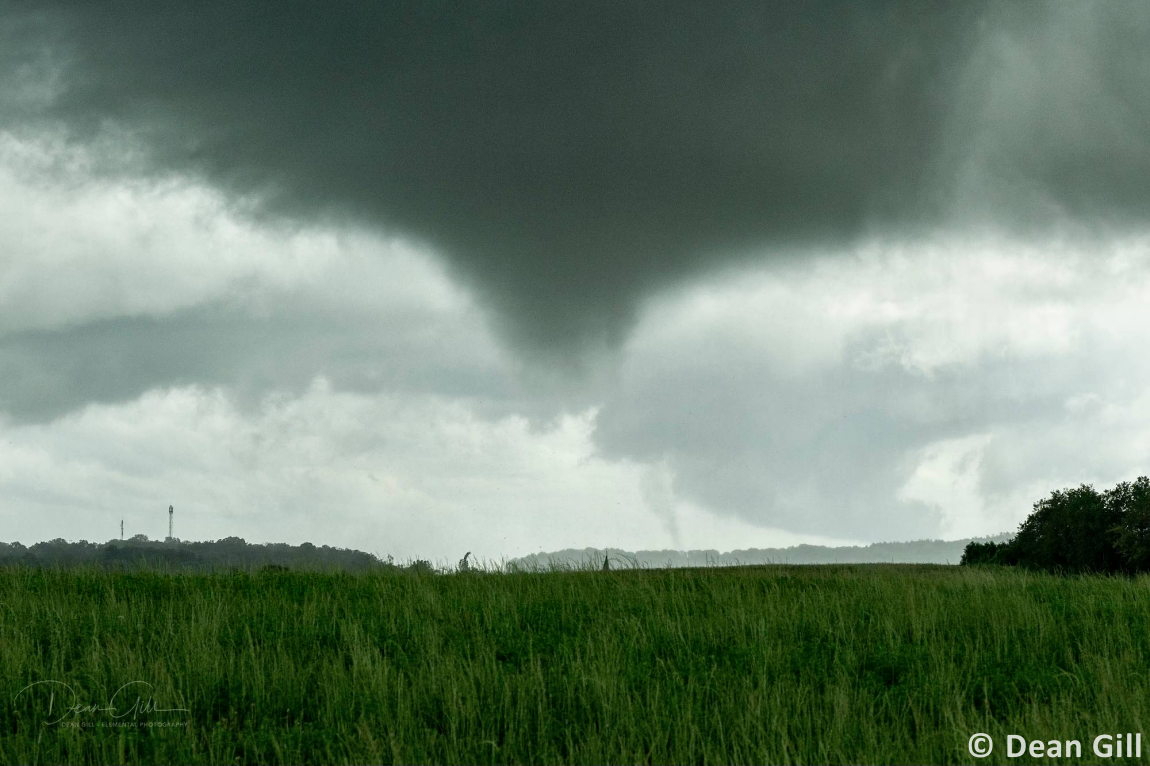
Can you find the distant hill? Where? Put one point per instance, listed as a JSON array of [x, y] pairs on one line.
[[914, 552]]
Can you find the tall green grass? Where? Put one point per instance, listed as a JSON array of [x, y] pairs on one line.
[[831, 664]]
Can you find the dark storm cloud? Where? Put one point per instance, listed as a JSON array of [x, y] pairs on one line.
[[569, 157]]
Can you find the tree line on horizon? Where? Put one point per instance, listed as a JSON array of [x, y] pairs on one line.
[[236, 553], [1073, 530], [207, 555], [1079, 530]]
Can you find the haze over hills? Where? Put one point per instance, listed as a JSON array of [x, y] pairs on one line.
[[913, 552]]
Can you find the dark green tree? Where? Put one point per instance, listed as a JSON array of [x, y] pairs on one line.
[[1129, 503], [1073, 530]]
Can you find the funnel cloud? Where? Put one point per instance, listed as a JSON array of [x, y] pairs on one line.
[[504, 277]]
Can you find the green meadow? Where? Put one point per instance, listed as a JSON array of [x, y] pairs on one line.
[[771, 664]]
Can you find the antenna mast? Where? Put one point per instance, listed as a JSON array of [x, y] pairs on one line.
[[121, 529], [171, 511]]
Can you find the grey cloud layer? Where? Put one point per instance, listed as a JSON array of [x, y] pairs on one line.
[[49, 373], [771, 407], [833, 448], [569, 158]]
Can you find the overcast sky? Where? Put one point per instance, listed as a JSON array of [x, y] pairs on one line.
[[420, 279]]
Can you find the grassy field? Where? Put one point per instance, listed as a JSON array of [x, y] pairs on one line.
[[830, 664]]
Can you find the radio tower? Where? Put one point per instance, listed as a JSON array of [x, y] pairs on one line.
[[171, 511], [121, 529]]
